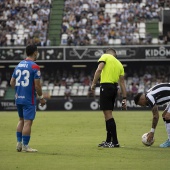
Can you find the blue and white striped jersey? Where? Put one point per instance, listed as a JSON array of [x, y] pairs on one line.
[[158, 94]]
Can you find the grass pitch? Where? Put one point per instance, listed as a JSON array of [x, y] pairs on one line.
[[68, 141]]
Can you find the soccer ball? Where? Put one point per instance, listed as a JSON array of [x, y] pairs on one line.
[[144, 140]]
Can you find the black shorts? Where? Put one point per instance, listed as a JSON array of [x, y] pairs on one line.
[[108, 94]]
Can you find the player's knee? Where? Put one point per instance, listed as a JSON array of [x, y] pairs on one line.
[[21, 121], [27, 122]]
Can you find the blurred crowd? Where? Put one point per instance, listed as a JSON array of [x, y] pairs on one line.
[[85, 22], [141, 80], [24, 21], [137, 80], [103, 22], [164, 3]]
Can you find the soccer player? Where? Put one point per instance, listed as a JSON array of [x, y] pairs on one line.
[[110, 71], [157, 95], [26, 80]]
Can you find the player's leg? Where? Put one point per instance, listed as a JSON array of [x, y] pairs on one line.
[[29, 115], [19, 128], [26, 131], [166, 118]]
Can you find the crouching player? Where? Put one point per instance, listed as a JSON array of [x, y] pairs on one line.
[[155, 96]]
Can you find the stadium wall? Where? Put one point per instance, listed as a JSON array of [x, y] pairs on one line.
[[82, 54]]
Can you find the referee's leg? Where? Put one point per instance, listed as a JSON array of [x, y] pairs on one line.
[[108, 94], [111, 126]]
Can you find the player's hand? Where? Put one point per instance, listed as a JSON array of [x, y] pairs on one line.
[[93, 86], [150, 136], [42, 102], [124, 106]]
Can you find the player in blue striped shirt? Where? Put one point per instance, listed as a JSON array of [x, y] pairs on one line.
[[26, 80]]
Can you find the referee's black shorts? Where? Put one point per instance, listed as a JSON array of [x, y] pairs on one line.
[[108, 94]]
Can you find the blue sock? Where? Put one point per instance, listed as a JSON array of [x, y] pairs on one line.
[[26, 139], [19, 136]]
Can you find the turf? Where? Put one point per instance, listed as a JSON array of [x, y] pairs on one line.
[[68, 141]]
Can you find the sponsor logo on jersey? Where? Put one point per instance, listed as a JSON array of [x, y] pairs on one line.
[[23, 65], [21, 97], [38, 73]]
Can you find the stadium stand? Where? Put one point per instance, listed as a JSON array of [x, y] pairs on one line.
[[23, 22], [84, 22], [56, 21], [54, 84], [3, 88], [102, 22], [137, 80]]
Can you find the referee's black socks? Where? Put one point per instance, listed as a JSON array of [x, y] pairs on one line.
[[109, 135], [111, 127]]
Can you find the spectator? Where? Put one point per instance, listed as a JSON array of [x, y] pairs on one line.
[[167, 38], [91, 16], [67, 93], [23, 20], [134, 89], [69, 80]]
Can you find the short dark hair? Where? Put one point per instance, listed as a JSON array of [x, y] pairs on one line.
[[137, 97], [30, 49], [111, 49]]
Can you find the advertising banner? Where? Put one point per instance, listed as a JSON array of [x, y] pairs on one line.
[[17, 54], [125, 53], [87, 53], [82, 104], [7, 105]]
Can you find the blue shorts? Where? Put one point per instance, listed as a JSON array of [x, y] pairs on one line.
[[27, 112]]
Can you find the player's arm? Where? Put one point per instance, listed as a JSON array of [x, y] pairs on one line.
[[123, 90], [155, 119], [38, 87], [12, 82], [97, 74], [39, 91]]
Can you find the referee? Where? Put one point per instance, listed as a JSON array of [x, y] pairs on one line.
[[110, 71], [155, 96]]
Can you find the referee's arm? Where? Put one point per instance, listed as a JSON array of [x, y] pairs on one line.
[[97, 75], [122, 86]]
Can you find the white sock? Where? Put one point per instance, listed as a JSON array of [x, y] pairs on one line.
[[168, 130]]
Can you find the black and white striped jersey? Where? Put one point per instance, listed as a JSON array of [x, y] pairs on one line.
[[158, 94]]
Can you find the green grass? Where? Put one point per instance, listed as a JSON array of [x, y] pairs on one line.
[[68, 141]]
